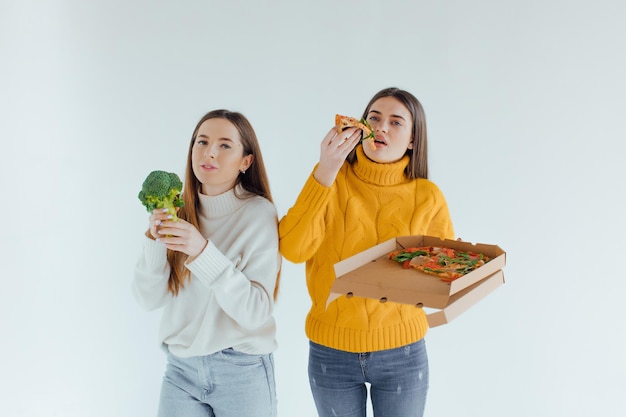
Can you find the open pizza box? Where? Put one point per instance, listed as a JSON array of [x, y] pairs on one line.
[[372, 274]]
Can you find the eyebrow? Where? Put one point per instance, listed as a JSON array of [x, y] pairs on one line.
[[393, 115], [224, 138]]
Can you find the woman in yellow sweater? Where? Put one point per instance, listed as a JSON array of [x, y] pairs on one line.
[[355, 198]]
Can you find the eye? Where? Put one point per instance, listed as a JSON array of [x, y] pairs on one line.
[[201, 142], [373, 118], [225, 146], [396, 123]]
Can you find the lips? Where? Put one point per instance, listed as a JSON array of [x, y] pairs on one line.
[[379, 139], [208, 167]]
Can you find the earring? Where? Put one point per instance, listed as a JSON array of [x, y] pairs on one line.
[[243, 172]]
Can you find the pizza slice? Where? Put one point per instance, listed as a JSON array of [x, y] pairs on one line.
[[446, 263], [342, 122]]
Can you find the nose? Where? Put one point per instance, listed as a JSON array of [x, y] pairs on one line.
[[209, 151], [380, 126]]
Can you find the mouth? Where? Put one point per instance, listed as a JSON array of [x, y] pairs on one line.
[[208, 167], [380, 141]]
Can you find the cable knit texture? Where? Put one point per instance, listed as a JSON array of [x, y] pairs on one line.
[[368, 203], [229, 300]]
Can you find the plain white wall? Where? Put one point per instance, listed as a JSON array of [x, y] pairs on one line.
[[525, 109]]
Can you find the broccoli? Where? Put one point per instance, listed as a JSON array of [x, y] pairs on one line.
[[162, 190]]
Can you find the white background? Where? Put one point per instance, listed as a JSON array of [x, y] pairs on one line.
[[525, 109]]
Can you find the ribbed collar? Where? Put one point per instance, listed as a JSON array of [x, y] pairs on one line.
[[378, 173], [220, 205]]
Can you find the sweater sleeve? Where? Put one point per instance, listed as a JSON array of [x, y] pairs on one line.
[[440, 224], [302, 229], [243, 279], [152, 272]]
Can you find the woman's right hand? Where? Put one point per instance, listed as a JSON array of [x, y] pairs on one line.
[[157, 218], [333, 152], [177, 235]]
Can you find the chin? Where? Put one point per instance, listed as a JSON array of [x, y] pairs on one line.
[[380, 156]]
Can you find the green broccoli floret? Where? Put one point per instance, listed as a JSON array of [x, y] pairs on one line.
[[162, 190]]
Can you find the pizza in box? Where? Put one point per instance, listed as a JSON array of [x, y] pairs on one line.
[[446, 263]]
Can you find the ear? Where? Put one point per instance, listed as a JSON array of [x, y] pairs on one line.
[[247, 161], [410, 145]]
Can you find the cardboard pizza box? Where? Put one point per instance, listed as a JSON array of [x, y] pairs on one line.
[[372, 274], [464, 299]]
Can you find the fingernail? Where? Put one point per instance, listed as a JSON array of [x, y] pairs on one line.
[[169, 216], [165, 210], [158, 239], [158, 222]]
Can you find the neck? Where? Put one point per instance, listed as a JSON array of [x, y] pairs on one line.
[[223, 203], [217, 189], [380, 173]]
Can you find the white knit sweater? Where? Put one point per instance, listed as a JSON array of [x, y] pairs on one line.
[[229, 300]]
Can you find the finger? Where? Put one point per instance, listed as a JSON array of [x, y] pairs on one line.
[[348, 142], [332, 133], [156, 222], [340, 137], [159, 216], [153, 231], [170, 229], [154, 228], [354, 137], [159, 211], [344, 136]]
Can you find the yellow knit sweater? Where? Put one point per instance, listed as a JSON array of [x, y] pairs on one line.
[[369, 203]]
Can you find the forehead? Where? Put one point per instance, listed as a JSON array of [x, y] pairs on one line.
[[218, 128], [391, 106]]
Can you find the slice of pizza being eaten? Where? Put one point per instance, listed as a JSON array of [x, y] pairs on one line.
[[446, 263], [342, 122]]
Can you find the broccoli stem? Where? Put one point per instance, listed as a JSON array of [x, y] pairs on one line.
[[171, 209]]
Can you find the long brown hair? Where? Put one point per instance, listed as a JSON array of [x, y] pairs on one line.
[[254, 180], [418, 164]]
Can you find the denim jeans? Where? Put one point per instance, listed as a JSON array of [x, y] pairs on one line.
[[398, 380], [223, 384]]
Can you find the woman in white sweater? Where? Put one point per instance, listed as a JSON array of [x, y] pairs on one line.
[[215, 272]]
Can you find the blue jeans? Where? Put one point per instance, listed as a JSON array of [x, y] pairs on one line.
[[224, 384], [398, 381]]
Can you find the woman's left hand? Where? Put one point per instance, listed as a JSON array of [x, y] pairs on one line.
[[182, 236]]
